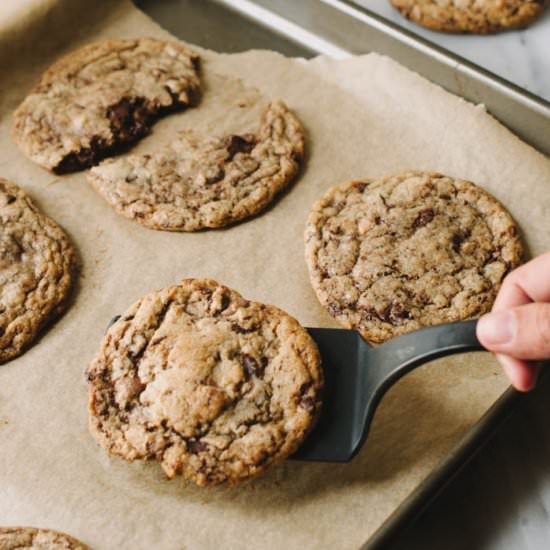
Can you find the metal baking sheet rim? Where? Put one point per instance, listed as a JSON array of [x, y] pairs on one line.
[[333, 27]]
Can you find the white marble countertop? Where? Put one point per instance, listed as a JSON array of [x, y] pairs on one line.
[[522, 57], [501, 499]]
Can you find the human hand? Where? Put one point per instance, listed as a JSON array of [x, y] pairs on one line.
[[518, 327]]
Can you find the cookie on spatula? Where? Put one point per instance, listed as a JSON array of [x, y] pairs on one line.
[[212, 386]]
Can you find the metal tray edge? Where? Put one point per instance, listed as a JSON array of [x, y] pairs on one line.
[[334, 28]]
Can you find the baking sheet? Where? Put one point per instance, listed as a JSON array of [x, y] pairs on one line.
[[364, 117]]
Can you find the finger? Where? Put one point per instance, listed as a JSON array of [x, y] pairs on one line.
[[527, 283], [522, 332], [522, 375], [510, 295]]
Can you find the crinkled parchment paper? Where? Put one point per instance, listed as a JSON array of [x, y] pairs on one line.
[[365, 116]]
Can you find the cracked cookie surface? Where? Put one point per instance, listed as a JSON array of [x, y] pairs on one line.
[[37, 265], [390, 256], [213, 386], [30, 538], [100, 99], [472, 16], [198, 182]]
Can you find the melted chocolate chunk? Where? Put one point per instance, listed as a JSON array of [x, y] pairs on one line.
[[226, 300], [84, 158], [240, 144], [194, 446], [424, 218], [395, 314], [215, 176], [250, 364], [235, 327], [307, 403], [130, 119], [458, 239]]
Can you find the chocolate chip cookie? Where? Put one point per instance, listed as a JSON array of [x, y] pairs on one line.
[[37, 265], [201, 182], [30, 538], [392, 255], [470, 16], [100, 99], [213, 386]]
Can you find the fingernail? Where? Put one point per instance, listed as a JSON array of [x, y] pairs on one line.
[[496, 328]]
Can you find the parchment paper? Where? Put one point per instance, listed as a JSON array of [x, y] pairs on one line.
[[365, 116]]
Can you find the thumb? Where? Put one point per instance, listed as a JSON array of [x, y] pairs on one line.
[[522, 332]]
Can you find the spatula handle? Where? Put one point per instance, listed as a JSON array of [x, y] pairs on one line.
[[404, 353], [386, 364]]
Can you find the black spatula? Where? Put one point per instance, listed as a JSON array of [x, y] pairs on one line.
[[357, 376]]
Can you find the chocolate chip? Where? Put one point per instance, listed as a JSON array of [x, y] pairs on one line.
[[194, 446], [226, 300], [424, 218], [250, 364], [370, 313], [130, 119], [215, 175], [235, 327], [395, 314], [377, 220], [307, 403], [239, 144], [361, 186], [85, 157], [458, 239], [334, 310]]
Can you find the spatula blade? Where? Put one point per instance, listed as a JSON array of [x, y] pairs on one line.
[[334, 437]]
